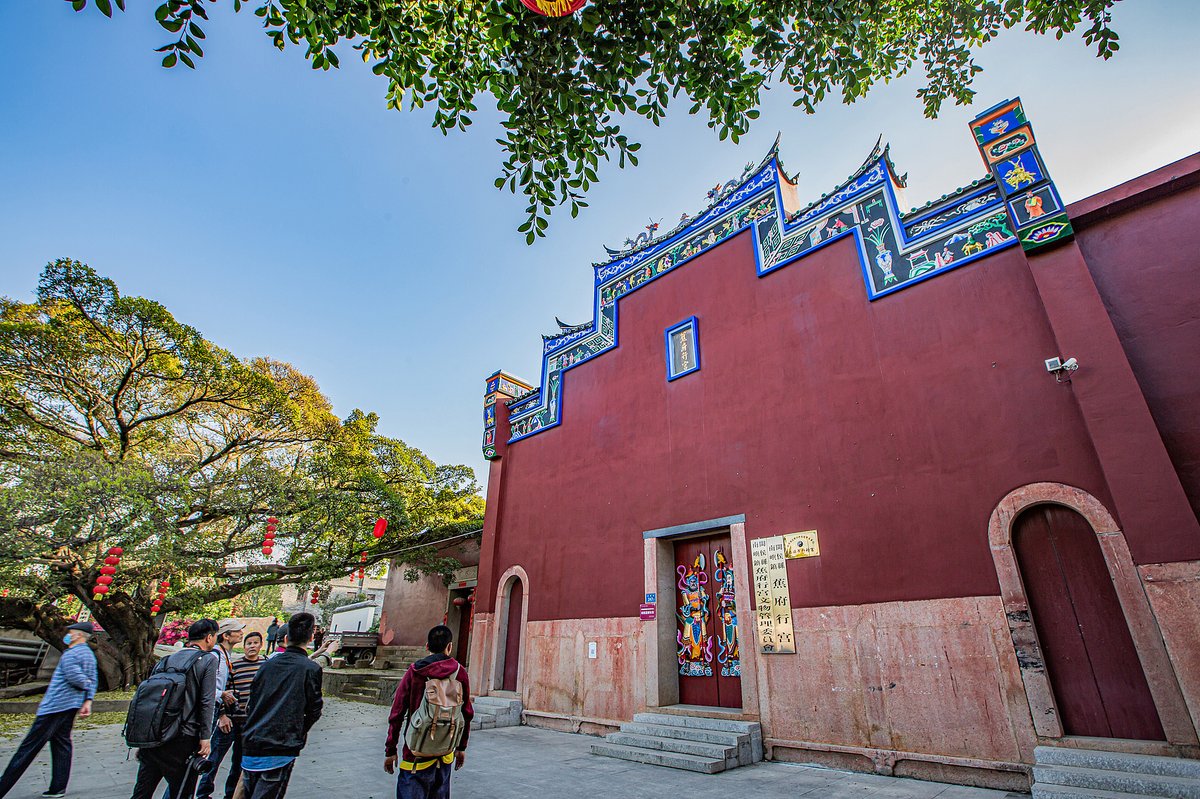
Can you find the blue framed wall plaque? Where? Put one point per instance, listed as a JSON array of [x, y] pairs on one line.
[[683, 348]]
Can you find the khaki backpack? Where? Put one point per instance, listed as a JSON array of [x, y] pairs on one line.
[[436, 726]]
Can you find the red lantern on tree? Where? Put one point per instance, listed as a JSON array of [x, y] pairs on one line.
[[316, 595], [106, 573], [380, 528], [268, 542]]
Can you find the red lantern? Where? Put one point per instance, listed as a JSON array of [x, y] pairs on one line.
[[271, 528], [268, 550], [116, 551], [104, 579], [108, 569], [100, 589], [459, 602], [554, 8], [112, 560], [380, 528], [165, 584], [363, 556], [272, 520]]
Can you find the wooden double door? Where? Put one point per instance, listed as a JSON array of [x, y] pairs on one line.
[[1093, 666], [706, 616]]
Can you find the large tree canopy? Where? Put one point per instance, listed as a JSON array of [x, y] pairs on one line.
[[120, 426], [564, 84]]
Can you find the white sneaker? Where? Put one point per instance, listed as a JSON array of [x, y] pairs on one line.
[[52, 795]]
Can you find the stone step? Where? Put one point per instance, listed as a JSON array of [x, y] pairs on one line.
[[657, 757], [700, 723], [670, 731], [681, 745], [1117, 781], [1067, 792], [1117, 761]]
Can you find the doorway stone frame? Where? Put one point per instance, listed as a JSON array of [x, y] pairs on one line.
[[659, 644], [500, 635], [1143, 626]]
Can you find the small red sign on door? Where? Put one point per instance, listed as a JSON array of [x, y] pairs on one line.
[[648, 611]]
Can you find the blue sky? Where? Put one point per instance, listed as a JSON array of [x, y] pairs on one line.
[[286, 212]]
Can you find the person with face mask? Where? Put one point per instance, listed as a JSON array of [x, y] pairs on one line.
[[71, 690]]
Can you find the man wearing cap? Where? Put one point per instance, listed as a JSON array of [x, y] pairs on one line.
[[71, 690], [229, 635]]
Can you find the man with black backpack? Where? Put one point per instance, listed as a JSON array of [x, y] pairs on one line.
[[432, 713], [171, 715]]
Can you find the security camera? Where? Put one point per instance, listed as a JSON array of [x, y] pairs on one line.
[[1070, 364], [1053, 364]]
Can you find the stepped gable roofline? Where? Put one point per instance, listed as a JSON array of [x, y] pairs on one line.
[[1015, 204], [687, 219]]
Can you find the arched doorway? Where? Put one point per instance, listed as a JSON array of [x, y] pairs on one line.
[[512, 634], [1099, 686]]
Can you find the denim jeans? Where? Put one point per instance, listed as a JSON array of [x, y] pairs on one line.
[[432, 782], [268, 784], [221, 743]]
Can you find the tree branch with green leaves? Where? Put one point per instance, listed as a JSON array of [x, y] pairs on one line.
[[564, 86], [120, 426]]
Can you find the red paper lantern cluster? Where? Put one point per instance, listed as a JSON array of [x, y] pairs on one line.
[[316, 595], [162, 594], [362, 570], [268, 543], [106, 573], [380, 528]]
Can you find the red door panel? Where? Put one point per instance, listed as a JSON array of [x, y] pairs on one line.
[[706, 623], [512, 639], [1092, 663]]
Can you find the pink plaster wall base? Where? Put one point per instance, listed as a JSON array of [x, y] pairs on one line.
[[936, 677], [561, 679], [1174, 592]]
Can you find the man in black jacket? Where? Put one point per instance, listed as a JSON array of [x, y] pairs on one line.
[[285, 701], [169, 760]]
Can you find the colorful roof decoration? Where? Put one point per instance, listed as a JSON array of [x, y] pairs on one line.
[[1015, 203]]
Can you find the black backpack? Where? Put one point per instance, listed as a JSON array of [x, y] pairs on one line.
[[156, 711]]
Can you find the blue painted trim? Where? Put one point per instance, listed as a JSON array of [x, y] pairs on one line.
[[694, 527], [692, 323]]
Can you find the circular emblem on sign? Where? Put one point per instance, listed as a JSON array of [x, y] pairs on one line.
[[554, 8]]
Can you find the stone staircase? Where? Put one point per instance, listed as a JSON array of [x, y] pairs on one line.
[[495, 711], [1062, 773], [694, 743], [376, 688]]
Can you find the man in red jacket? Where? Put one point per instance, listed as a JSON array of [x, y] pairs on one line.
[[426, 777]]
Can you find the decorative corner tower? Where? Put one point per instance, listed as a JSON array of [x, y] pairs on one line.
[[1008, 147], [500, 386]]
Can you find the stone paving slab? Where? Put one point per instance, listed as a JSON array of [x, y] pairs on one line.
[[344, 758]]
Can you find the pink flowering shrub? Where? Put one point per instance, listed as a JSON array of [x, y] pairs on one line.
[[173, 631]]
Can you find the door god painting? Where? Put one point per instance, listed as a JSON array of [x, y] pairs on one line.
[[728, 654], [694, 639]]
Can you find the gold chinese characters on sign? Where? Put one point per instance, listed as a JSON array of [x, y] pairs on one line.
[[771, 596], [801, 545]]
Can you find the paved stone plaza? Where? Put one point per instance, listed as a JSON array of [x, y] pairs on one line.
[[344, 758]]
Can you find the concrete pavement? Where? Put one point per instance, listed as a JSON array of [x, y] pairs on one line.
[[344, 758]]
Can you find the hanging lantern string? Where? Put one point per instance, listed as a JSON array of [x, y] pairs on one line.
[[104, 581]]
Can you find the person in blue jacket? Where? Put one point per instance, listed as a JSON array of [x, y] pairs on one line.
[[71, 690]]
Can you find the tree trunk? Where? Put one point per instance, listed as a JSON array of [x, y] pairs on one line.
[[125, 654]]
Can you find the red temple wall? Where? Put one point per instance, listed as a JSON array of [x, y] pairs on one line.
[[1142, 253], [893, 428]]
